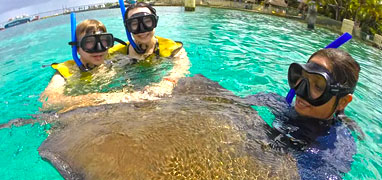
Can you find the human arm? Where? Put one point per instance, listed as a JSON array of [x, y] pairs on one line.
[[151, 92], [275, 102], [53, 97], [156, 90], [179, 70]]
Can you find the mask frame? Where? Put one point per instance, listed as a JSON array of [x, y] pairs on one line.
[[98, 45], [140, 19]]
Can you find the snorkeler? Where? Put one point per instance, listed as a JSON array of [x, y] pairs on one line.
[[92, 43], [314, 130], [141, 19]]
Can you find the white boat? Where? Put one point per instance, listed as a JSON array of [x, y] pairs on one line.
[[16, 21]]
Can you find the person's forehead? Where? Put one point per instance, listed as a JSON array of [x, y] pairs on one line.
[[138, 10], [83, 34], [323, 61]]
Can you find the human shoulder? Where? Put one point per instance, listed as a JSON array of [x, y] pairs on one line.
[[168, 47], [118, 49], [67, 63], [65, 69], [338, 133], [342, 136]]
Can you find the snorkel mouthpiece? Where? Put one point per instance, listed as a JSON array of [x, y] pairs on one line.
[[335, 44]]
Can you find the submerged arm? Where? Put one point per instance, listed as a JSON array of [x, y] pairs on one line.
[[272, 100], [180, 69], [54, 98], [152, 92]]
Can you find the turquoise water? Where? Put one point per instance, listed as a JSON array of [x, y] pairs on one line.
[[245, 52]]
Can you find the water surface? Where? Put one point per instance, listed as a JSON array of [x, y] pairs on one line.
[[245, 52]]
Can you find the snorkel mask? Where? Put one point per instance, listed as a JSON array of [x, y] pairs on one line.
[[141, 22], [94, 43], [314, 83]]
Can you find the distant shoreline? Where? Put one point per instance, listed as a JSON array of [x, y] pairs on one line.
[[322, 22]]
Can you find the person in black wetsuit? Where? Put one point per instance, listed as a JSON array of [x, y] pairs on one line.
[[315, 129]]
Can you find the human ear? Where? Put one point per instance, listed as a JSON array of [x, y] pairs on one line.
[[344, 101]]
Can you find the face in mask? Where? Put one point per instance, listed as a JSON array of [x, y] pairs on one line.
[[314, 83]]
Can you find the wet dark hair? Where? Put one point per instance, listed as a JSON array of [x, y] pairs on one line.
[[137, 5], [345, 69]]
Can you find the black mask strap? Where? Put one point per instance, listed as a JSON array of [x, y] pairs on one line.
[[333, 111], [120, 41]]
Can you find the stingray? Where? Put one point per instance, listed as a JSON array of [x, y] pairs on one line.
[[203, 131]]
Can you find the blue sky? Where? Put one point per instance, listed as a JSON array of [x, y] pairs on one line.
[[12, 8]]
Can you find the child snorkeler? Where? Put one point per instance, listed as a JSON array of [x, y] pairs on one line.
[[314, 130], [92, 43]]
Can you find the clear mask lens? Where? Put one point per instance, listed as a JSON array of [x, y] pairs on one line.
[[90, 42], [134, 24], [106, 41], [148, 21]]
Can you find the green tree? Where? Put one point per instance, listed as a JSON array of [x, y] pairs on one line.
[[109, 4], [370, 15], [336, 5], [367, 13]]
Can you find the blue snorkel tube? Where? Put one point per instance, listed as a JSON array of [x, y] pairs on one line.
[[335, 44], [74, 45], [123, 11]]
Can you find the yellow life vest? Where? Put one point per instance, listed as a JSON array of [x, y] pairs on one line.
[[167, 47], [68, 68]]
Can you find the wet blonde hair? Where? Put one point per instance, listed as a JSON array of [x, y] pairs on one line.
[[89, 26]]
